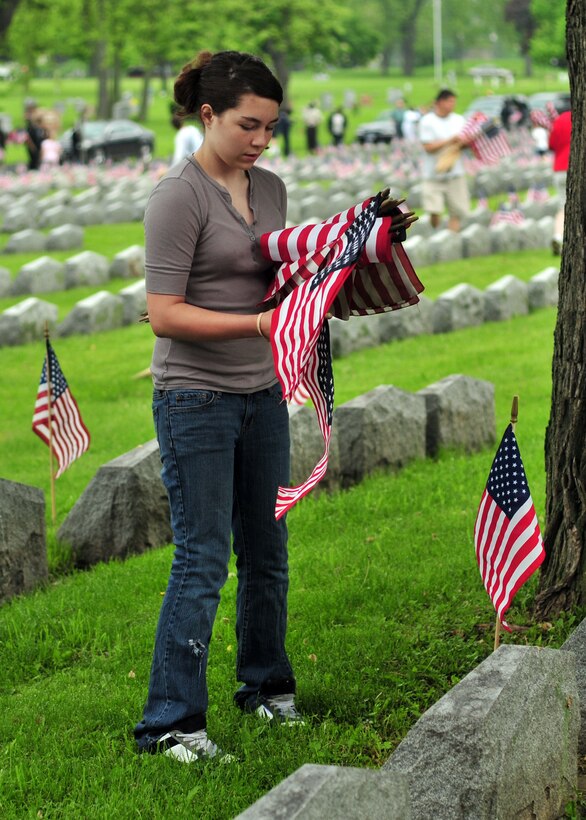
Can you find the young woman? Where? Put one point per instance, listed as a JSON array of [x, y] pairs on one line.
[[221, 424]]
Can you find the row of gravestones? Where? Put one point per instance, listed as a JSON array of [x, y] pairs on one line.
[[479, 240], [124, 509], [123, 201], [504, 742], [460, 307], [314, 202], [88, 268]]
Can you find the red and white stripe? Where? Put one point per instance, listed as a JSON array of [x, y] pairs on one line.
[[379, 277], [489, 150], [69, 437], [508, 551]]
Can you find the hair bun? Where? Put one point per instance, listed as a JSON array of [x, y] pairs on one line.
[[203, 58]]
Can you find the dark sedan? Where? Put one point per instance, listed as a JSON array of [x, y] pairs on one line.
[[381, 130], [102, 140]]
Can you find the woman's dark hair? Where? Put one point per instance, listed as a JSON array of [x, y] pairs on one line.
[[221, 79]]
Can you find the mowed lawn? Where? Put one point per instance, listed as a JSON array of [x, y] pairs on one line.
[[387, 610]]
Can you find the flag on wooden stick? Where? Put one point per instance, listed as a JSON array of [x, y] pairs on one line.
[[508, 542], [56, 419]]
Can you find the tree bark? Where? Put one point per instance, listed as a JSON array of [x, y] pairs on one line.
[[7, 9], [143, 111], [115, 84], [103, 101], [407, 34], [563, 574], [282, 70]]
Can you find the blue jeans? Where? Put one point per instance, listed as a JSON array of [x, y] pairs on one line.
[[224, 456]]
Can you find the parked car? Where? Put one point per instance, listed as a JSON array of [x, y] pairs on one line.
[[560, 99], [491, 105], [108, 139], [381, 130]]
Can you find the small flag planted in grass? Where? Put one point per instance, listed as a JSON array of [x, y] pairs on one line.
[[56, 419], [508, 542]]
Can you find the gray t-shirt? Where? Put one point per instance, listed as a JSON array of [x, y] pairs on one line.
[[200, 247]]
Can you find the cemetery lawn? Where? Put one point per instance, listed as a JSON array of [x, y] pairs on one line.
[[387, 610]]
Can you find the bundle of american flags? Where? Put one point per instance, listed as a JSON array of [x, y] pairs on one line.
[[350, 265], [483, 136]]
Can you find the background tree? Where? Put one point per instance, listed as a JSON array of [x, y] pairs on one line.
[[291, 32], [563, 575], [396, 22], [7, 9], [518, 12], [548, 44]]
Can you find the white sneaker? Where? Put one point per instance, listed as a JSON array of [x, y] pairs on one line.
[[281, 709], [189, 747]]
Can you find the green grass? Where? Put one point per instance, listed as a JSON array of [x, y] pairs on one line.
[[387, 610], [116, 407]]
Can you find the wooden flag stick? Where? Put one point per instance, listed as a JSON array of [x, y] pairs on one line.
[[50, 423], [514, 416]]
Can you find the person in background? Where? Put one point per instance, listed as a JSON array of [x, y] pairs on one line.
[[312, 118], [33, 136], [398, 115], [337, 123], [559, 142], [222, 424], [410, 123], [540, 137], [49, 122], [439, 130], [187, 139], [283, 128]]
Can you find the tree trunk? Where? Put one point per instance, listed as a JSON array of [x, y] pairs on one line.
[[408, 56], [103, 103], [143, 111], [563, 574], [115, 93], [7, 9], [385, 63], [408, 34], [282, 71], [528, 62]]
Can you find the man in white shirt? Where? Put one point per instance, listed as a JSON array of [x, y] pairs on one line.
[[187, 139], [439, 132]]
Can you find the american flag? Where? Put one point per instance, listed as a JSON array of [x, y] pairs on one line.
[[509, 214], [300, 396], [345, 266], [68, 436], [507, 537], [537, 193], [544, 118], [486, 139]]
